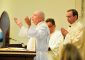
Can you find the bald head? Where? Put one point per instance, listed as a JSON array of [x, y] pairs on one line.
[[38, 16], [39, 13]]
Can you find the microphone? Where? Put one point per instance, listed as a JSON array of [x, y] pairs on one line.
[[15, 40]]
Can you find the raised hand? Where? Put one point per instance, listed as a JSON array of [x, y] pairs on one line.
[[64, 32], [18, 22], [28, 21]]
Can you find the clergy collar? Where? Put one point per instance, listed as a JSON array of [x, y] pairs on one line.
[[74, 23]]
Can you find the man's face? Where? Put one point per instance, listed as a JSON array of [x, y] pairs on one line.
[[51, 27], [35, 18], [71, 19]]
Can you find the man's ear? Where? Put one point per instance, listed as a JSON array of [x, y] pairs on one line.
[[76, 17]]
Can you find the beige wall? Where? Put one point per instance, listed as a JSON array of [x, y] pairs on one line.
[[84, 12], [21, 8]]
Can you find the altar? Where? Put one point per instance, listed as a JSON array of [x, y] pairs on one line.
[[16, 54]]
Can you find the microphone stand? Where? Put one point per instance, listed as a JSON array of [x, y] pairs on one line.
[[22, 44]]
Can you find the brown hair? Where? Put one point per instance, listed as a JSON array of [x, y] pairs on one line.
[[70, 52], [74, 11]]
